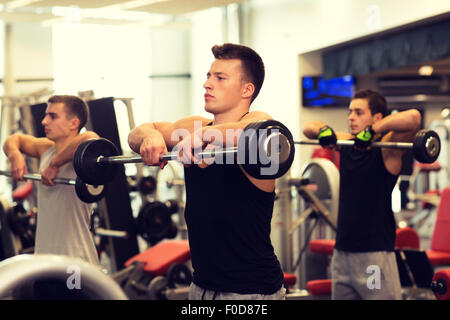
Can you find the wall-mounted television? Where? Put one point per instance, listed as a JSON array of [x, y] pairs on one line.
[[318, 91]]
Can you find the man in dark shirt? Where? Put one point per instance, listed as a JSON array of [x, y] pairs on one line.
[[363, 264], [228, 212]]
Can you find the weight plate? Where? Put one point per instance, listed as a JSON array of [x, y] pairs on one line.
[[86, 165], [89, 193], [178, 275], [172, 206], [172, 231], [268, 147], [153, 221], [156, 288], [247, 154], [147, 185], [426, 146]]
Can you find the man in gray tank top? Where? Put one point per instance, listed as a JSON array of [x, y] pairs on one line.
[[63, 219], [364, 264]]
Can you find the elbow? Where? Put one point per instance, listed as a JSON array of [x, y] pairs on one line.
[[90, 135], [310, 129], [416, 119], [132, 140], [12, 140]]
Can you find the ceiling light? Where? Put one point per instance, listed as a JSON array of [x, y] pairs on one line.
[[426, 70]]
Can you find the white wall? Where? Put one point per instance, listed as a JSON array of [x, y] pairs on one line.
[[171, 96], [30, 57], [206, 32]]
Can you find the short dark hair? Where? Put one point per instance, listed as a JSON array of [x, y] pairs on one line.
[[252, 64], [74, 106], [377, 103]]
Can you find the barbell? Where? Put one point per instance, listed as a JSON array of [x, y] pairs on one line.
[[426, 145], [85, 192], [265, 150]]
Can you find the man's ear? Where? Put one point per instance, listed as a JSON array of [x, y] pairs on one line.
[[74, 123], [249, 89], [377, 117]]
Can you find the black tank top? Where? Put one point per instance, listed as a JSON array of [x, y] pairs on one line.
[[229, 224], [365, 218]]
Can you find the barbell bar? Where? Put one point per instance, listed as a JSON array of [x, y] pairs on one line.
[[85, 192], [426, 145], [265, 151]]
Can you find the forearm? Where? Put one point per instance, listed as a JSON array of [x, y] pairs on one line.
[[312, 128], [138, 134], [65, 155], [399, 122], [11, 147]]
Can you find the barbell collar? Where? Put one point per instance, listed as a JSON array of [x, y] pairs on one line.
[[350, 143]]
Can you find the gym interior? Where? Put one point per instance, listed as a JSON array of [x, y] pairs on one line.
[[135, 62]]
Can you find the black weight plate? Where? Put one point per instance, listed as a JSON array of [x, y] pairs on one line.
[[156, 288], [172, 206], [172, 231], [247, 154], [147, 185], [426, 146], [178, 275], [85, 161], [258, 146], [153, 221], [89, 193]]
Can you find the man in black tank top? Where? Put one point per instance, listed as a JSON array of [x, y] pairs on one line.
[[228, 213], [363, 264]]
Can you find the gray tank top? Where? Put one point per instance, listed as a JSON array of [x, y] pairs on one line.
[[63, 219]]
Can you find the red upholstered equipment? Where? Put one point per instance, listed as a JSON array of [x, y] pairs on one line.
[[407, 238], [322, 286], [319, 287], [323, 246], [439, 254], [441, 284], [428, 167], [290, 279], [322, 153], [22, 192], [325, 153], [161, 256]]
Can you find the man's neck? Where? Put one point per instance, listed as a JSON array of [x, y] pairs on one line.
[[62, 143], [233, 115]]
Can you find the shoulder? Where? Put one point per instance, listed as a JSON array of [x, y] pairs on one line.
[[256, 116], [43, 145], [190, 121]]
